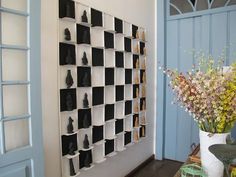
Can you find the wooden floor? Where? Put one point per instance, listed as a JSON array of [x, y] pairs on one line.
[[165, 168]]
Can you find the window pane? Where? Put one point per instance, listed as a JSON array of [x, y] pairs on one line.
[[202, 5], [15, 4], [183, 5], [14, 29], [232, 2], [16, 134], [218, 3], [15, 100], [14, 65], [173, 11]]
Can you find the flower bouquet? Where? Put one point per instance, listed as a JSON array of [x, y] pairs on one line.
[[208, 93]]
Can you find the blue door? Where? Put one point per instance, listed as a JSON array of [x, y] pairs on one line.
[[200, 25], [21, 150]]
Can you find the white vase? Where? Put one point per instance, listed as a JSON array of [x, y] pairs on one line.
[[211, 165]]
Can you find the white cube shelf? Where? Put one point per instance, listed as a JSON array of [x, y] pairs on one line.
[[109, 58], [128, 60], [80, 54], [97, 37], [98, 78], [109, 94], [109, 23], [63, 24], [110, 130], [120, 142], [65, 121], [66, 166], [80, 8], [98, 153], [128, 29], [81, 135], [129, 123], [63, 74], [128, 92], [120, 76], [120, 110], [98, 115], [81, 91], [119, 42]]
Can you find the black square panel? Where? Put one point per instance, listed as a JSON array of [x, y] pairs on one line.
[[128, 107], [134, 30], [84, 118], [119, 93], [109, 112], [66, 141], [119, 126], [67, 54], [135, 59], [128, 76], [142, 72], [109, 76], [68, 99], [109, 147], [142, 46], [118, 25], [66, 8], [119, 59], [127, 42], [142, 104], [127, 137], [83, 34], [97, 57], [83, 155], [97, 133], [96, 17], [83, 76], [142, 131], [98, 95], [135, 90], [135, 117], [109, 40]]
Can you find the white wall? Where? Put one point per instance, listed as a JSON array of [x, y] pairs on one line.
[[139, 12]]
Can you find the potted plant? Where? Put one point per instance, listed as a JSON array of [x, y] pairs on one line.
[[208, 93]]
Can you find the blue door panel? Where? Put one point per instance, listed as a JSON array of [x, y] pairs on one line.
[[171, 109], [20, 169], [218, 34], [185, 64]]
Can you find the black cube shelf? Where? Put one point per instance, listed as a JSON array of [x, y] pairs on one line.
[[118, 25], [119, 126], [109, 112], [134, 30], [109, 40], [127, 43], [97, 133], [119, 59], [109, 76], [98, 96], [68, 99], [84, 118], [96, 18], [119, 93], [109, 146], [66, 8], [69, 142], [67, 54], [128, 76], [83, 76], [142, 46], [128, 137], [128, 107], [97, 57], [85, 156], [83, 34]]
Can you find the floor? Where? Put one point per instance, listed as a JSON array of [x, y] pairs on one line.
[[165, 168]]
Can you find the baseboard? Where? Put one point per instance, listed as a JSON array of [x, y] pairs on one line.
[[131, 174]]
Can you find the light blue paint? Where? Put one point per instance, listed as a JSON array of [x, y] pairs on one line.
[[209, 31], [27, 161]]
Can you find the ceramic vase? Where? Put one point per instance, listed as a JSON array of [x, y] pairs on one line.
[[211, 165]]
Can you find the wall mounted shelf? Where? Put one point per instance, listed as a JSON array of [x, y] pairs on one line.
[[102, 80]]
